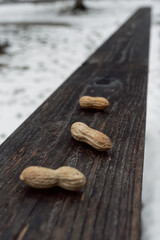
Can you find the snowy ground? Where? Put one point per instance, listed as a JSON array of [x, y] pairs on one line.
[[41, 57]]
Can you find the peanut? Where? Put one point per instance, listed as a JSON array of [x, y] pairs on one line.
[[99, 103], [98, 140], [66, 177]]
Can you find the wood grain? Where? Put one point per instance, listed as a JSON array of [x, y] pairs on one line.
[[110, 204]]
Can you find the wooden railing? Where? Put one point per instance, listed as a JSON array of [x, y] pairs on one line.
[[109, 206]]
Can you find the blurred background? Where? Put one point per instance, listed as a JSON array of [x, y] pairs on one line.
[[43, 42]]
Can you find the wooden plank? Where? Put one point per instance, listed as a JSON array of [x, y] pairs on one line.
[[109, 206]]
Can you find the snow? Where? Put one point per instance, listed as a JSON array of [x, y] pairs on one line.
[[41, 57], [151, 183]]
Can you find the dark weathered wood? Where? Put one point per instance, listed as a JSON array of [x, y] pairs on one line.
[[109, 207]]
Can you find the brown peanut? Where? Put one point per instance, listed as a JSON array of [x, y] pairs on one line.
[[66, 177], [99, 103], [98, 140]]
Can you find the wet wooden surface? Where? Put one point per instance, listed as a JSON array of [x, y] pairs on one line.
[[110, 204]]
